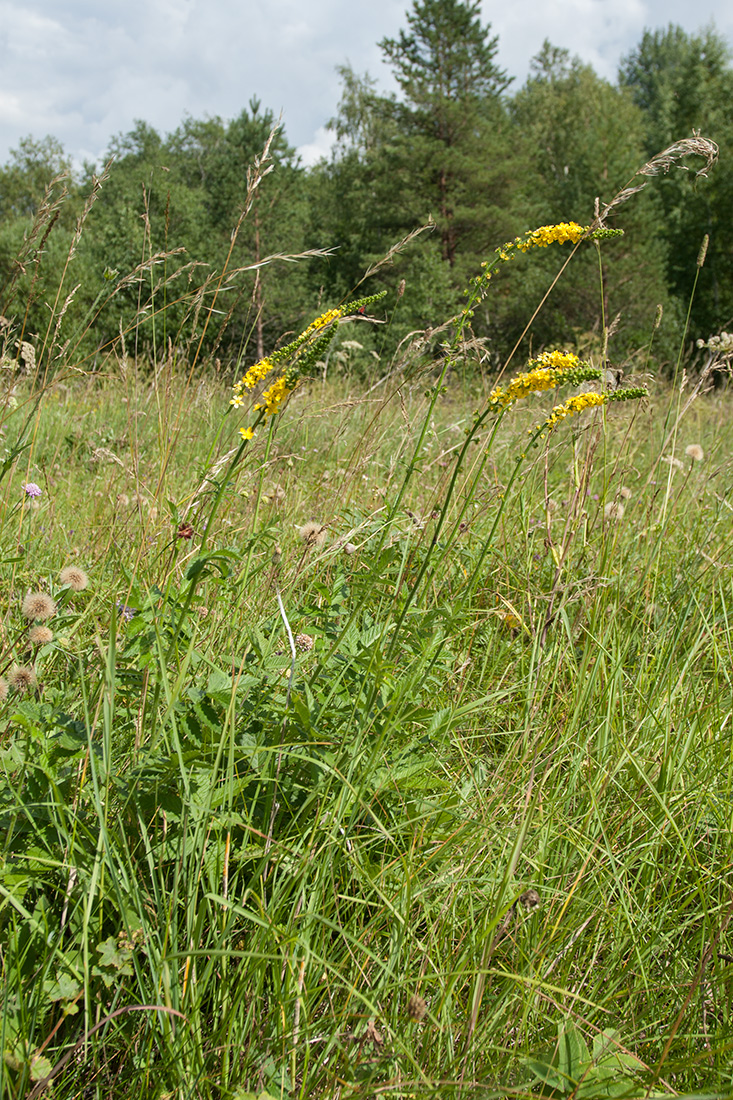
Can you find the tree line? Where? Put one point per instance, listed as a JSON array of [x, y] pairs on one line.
[[157, 253]]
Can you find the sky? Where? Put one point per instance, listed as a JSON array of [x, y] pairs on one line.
[[86, 70]]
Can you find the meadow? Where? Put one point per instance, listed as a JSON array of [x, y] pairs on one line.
[[373, 741]]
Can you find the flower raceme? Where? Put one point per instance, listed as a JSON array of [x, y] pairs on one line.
[[542, 237], [296, 361], [546, 372], [582, 401]]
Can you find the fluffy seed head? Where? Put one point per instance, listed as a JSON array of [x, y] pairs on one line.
[[313, 534], [38, 605], [40, 635], [530, 900], [695, 452], [75, 577], [417, 1008], [3, 689], [22, 678], [625, 492], [614, 510]]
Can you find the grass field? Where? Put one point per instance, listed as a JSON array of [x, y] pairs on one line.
[[369, 761]]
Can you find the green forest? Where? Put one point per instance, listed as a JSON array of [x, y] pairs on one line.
[[156, 242]]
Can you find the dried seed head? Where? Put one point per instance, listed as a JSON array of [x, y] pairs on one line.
[[658, 318], [3, 689], [530, 900], [40, 635], [417, 1008], [695, 452], [75, 577], [277, 554], [624, 492], [22, 678], [313, 534], [304, 643], [38, 605], [614, 510]]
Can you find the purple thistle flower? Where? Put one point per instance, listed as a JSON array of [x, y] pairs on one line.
[[32, 489]]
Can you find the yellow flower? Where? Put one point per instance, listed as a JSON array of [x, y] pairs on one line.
[[325, 319], [574, 405], [549, 234], [255, 374], [552, 368], [246, 433], [273, 397]]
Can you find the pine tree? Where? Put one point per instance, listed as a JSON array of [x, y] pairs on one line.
[[450, 157]]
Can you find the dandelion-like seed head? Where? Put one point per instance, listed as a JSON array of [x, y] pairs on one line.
[[40, 635], [625, 493], [417, 1008], [22, 678], [674, 462], [312, 534], [3, 689], [74, 577], [695, 452], [530, 900], [614, 510], [38, 605]]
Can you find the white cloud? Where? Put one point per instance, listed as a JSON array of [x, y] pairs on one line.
[[84, 71], [321, 146]]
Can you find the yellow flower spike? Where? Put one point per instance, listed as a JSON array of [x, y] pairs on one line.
[[273, 397], [551, 234]]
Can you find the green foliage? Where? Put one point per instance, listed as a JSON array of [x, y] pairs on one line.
[[683, 83], [573, 1069]]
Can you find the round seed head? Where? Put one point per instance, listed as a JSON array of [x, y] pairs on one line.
[[38, 605], [417, 1008], [312, 534], [75, 577], [22, 678]]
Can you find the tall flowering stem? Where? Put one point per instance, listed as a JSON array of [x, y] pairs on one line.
[[285, 368], [578, 403], [282, 371]]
